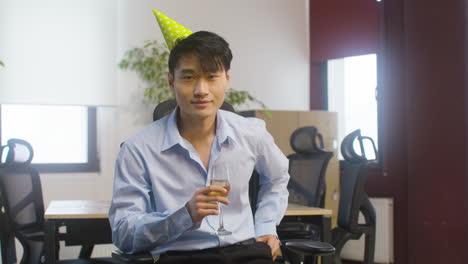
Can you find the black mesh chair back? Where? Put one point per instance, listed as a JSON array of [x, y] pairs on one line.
[[21, 197], [307, 167], [354, 200], [7, 236]]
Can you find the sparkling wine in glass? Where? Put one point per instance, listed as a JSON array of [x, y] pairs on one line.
[[220, 177]]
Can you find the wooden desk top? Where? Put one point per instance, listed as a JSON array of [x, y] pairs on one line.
[[297, 210], [77, 209], [89, 209]]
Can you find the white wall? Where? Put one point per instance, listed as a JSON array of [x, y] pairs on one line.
[[269, 39]]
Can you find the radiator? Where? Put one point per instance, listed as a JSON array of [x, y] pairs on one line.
[[354, 249]]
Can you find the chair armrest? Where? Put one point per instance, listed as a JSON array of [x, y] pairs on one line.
[[309, 247], [137, 258]]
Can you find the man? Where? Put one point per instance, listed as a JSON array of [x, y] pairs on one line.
[[162, 200]]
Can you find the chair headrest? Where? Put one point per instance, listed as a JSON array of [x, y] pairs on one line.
[[347, 147], [166, 107], [17, 152], [303, 140], [163, 109], [227, 107]]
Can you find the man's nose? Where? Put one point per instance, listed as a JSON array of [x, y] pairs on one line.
[[201, 88]]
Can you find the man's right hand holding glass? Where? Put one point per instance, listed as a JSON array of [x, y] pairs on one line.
[[203, 204]]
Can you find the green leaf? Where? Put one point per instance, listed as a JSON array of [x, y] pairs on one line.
[[2, 64]]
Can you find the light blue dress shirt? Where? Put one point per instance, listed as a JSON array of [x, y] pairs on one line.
[[157, 172]]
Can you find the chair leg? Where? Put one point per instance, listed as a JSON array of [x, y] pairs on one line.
[[86, 251], [340, 238], [32, 250], [8, 249], [310, 259], [369, 250], [291, 257]]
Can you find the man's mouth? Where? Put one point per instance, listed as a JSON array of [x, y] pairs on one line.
[[200, 103]]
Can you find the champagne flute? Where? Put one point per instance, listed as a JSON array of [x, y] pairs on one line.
[[220, 177]]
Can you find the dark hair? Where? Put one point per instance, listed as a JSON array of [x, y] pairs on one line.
[[212, 51]]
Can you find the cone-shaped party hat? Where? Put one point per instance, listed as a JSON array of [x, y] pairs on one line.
[[171, 30]]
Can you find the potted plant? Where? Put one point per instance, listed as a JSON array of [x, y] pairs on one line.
[[150, 63]]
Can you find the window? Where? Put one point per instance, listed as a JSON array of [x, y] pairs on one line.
[[352, 83], [63, 137]]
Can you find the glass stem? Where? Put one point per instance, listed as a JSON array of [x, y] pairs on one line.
[[221, 224]]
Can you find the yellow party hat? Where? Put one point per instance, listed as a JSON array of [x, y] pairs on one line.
[[172, 31]]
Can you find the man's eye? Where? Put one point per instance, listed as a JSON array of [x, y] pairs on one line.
[[187, 77], [212, 76]]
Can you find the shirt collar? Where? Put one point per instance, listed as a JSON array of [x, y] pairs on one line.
[[172, 136], [224, 130]]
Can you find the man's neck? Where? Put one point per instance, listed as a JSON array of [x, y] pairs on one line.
[[196, 130]]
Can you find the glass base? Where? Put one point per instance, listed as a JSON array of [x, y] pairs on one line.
[[223, 232]]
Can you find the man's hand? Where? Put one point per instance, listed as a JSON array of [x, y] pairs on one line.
[[273, 242], [203, 204]]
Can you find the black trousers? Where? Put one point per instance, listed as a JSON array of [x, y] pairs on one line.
[[253, 253]]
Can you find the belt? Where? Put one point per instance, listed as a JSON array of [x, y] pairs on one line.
[[249, 241]]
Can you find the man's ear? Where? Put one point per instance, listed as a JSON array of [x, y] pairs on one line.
[[170, 79], [228, 76]]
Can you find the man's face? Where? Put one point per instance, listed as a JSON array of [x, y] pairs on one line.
[[199, 94]]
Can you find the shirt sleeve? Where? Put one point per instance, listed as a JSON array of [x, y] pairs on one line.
[[272, 167], [136, 226]]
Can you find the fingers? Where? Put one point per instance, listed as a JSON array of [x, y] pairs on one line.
[[213, 199], [273, 242], [203, 202], [207, 206], [212, 194], [198, 210], [219, 190], [275, 247], [202, 212]]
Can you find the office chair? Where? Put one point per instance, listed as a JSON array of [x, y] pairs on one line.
[[7, 238], [307, 168], [289, 248], [354, 200], [21, 197]]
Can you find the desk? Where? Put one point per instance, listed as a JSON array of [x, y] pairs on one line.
[[86, 223], [91, 219]]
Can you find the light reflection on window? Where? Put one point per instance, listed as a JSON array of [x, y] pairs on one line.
[[352, 83], [58, 134]]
